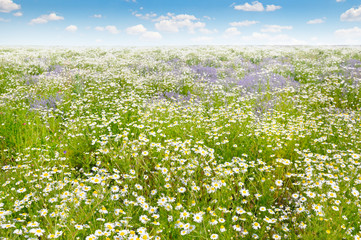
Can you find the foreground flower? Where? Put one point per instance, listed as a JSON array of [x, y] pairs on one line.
[[214, 236], [37, 231]]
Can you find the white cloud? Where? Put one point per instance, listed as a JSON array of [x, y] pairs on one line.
[[143, 32], [100, 29], [46, 18], [184, 17], [149, 35], [71, 28], [202, 39], [207, 31], [4, 20], [7, 6], [18, 14], [167, 26], [256, 7], [351, 15], [316, 21], [271, 8], [146, 16], [97, 16], [232, 31], [350, 35], [135, 30], [174, 23], [355, 31], [266, 39], [340, 0], [245, 23], [275, 28], [110, 28]]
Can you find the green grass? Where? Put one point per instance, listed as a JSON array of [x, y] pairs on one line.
[[116, 156]]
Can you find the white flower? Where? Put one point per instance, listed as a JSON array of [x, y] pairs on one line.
[[115, 189], [279, 183], [43, 212], [214, 236], [198, 217], [244, 192], [37, 231], [18, 231], [103, 210], [181, 189], [144, 219], [276, 236], [256, 225], [78, 227], [355, 192], [302, 225], [98, 233], [335, 208], [184, 215], [91, 237]]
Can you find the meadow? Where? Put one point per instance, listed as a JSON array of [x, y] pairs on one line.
[[180, 143]]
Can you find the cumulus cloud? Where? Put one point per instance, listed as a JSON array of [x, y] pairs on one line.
[[355, 31], [351, 15], [110, 28], [349, 35], [207, 31], [149, 35], [7, 6], [71, 28], [232, 31], [275, 28], [18, 14], [340, 0], [316, 21], [271, 8], [245, 23], [144, 34], [46, 18], [208, 18], [256, 7], [266, 39], [146, 16], [135, 30], [202, 40], [97, 16], [174, 23]]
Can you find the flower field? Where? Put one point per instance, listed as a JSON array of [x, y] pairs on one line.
[[180, 143]]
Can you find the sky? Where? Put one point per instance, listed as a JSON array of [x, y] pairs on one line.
[[179, 22]]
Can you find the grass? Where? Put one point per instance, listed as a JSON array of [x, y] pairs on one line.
[[96, 149]]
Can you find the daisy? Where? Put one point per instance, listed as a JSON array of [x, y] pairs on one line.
[[214, 236], [279, 183], [198, 217], [37, 231]]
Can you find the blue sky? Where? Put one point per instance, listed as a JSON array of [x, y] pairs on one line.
[[174, 22]]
